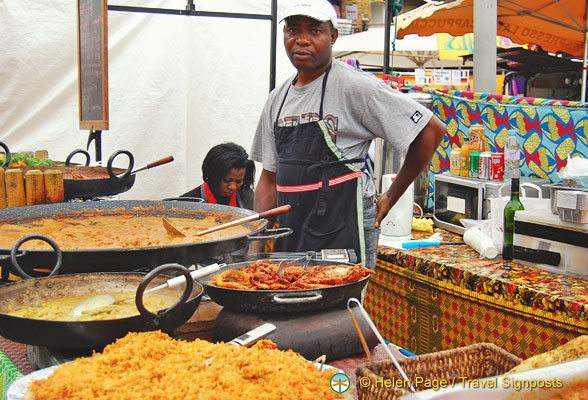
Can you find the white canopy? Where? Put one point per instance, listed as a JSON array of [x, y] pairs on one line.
[[411, 52]]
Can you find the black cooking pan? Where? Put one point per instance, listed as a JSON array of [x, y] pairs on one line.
[[93, 334], [281, 301], [83, 181], [129, 259]]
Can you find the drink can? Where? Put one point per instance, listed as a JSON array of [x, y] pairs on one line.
[[485, 165], [477, 137], [497, 166], [474, 164]]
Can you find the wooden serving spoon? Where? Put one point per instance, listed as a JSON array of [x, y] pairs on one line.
[[274, 211], [172, 228]]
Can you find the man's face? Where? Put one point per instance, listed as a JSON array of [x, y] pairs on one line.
[[308, 42]]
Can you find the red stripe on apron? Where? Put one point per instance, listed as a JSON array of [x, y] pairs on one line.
[[318, 185]]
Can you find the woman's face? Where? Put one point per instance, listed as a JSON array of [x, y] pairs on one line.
[[231, 182]]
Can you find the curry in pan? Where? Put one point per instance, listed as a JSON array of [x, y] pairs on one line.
[[63, 309], [113, 231]]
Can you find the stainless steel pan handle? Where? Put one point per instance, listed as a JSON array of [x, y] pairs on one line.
[[298, 298], [271, 234]]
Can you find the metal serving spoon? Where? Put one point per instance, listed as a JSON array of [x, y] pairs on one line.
[[103, 300], [285, 265]]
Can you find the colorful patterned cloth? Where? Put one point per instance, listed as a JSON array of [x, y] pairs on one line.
[[8, 374], [439, 298], [549, 130]]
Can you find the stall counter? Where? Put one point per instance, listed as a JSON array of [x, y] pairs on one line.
[[439, 298]]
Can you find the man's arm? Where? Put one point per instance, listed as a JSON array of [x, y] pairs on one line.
[[265, 199], [418, 157]]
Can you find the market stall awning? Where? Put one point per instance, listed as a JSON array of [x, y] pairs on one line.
[[555, 25], [519, 59]]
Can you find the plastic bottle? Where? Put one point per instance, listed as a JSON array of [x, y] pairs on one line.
[[464, 158], [454, 167], [510, 209], [512, 156]]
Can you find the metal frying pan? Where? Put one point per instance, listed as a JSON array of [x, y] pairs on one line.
[[92, 334], [279, 301]]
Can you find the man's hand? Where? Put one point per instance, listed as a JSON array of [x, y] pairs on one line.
[[383, 205], [417, 158]]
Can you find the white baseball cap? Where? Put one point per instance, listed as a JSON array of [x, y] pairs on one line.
[[321, 10]]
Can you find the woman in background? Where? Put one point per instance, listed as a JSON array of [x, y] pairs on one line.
[[228, 176]]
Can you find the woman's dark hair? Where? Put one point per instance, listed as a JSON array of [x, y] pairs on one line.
[[224, 157]]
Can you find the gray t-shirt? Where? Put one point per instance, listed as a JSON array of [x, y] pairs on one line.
[[358, 107]]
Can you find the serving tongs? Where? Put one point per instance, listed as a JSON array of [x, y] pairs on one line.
[[370, 323], [304, 261], [249, 338]]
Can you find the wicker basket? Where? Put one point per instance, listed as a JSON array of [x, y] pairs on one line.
[[472, 362]]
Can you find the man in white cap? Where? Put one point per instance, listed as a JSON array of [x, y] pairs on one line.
[[313, 136]]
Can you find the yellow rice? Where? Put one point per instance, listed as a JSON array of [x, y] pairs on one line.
[[151, 365]]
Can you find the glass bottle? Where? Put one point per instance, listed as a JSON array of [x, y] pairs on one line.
[[512, 156], [511, 208], [464, 157]]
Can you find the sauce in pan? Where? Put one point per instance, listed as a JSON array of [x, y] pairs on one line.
[[62, 309], [113, 231]]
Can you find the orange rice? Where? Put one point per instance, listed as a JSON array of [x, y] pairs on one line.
[[151, 365]]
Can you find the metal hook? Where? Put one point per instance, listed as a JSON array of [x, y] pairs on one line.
[[370, 323]]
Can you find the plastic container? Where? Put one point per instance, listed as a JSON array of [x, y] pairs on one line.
[[454, 167], [572, 206]]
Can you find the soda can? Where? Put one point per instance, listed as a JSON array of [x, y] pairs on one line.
[[477, 137], [474, 164], [485, 170], [497, 166]]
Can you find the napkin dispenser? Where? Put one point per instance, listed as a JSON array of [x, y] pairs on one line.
[[544, 241]]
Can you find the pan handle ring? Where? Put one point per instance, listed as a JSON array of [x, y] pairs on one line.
[[156, 320], [128, 170], [188, 199], [298, 298], [78, 151], [51, 242], [8, 155], [271, 234]]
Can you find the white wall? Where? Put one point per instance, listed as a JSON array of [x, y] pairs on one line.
[[178, 85]]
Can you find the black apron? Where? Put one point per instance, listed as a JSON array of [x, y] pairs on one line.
[[324, 189]]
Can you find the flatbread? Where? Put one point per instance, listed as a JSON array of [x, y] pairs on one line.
[[573, 349]]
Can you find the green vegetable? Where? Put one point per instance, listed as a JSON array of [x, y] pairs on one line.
[[30, 161]]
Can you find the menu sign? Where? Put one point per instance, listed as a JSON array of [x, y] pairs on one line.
[[93, 64]]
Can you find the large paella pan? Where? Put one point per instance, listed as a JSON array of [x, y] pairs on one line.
[[124, 235]]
